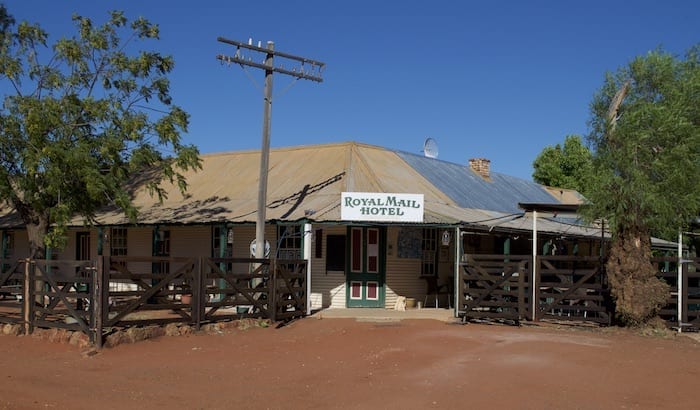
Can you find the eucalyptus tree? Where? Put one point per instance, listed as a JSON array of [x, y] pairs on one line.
[[645, 130], [568, 166], [80, 118]]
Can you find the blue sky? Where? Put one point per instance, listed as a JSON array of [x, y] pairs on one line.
[[497, 79]]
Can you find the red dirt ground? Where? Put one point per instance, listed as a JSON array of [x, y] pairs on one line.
[[341, 363]]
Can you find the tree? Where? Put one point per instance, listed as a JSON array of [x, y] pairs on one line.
[[645, 129], [81, 118], [564, 167], [6, 20]]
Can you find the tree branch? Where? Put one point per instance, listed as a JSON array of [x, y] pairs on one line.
[[615, 103]]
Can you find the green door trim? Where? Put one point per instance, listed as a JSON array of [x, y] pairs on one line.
[[358, 283]]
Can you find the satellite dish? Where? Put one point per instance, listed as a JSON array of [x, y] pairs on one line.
[[430, 148]]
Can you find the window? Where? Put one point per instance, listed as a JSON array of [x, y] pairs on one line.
[[356, 251], [318, 243], [82, 246], [222, 246], [162, 248], [335, 253], [372, 250], [163, 244], [289, 241], [222, 234], [118, 243], [429, 247], [8, 244]]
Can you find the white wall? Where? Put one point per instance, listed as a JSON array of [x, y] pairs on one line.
[[329, 285], [402, 274]]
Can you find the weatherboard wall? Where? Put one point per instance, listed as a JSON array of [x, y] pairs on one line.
[[327, 286]]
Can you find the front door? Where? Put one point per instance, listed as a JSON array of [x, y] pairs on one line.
[[366, 267]]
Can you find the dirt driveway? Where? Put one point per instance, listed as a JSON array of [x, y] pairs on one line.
[[342, 363]]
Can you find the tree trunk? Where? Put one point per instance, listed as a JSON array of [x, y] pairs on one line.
[[639, 294], [37, 228]]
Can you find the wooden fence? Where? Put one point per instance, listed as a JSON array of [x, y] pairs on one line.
[[573, 288], [495, 287], [567, 288], [11, 290], [688, 287], [97, 296]]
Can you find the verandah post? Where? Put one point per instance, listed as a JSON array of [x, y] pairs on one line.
[[99, 300], [533, 268], [272, 290], [682, 290], [198, 294], [684, 296], [522, 306], [28, 297]]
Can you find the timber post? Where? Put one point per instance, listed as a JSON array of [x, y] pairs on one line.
[[534, 267], [272, 291], [308, 70], [99, 300], [28, 296], [522, 306], [683, 295], [198, 294]]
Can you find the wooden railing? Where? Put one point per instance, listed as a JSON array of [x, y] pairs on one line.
[[690, 291], [573, 288], [112, 292], [495, 287], [11, 290], [568, 288]]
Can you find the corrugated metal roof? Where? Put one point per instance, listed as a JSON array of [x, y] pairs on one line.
[[307, 182], [565, 196], [10, 219], [469, 190], [303, 182]]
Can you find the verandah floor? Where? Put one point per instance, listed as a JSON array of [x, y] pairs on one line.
[[380, 314]]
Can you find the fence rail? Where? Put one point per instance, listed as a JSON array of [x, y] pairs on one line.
[[11, 290], [573, 288], [689, 286], [110, 292], [495, 287], [96, 296], [568, 288]]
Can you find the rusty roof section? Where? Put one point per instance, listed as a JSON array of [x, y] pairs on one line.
[[303, 182]]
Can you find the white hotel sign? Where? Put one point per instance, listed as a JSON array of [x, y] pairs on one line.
[[372, 206]]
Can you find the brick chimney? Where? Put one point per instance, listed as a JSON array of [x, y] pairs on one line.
[[481, 166]]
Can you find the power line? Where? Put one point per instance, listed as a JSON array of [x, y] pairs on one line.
[[304, 68]]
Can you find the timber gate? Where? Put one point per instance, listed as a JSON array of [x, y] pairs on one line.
[[573, 288], [253, 288], [667, 270], [11, 288], [59, 295], [98, 296], [568, 288], [495, 287]]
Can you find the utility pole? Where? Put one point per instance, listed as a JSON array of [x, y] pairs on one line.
[[305, 69]]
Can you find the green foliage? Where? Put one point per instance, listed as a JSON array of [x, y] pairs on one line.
[[647, 159], [85, 116], [564, 167]]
